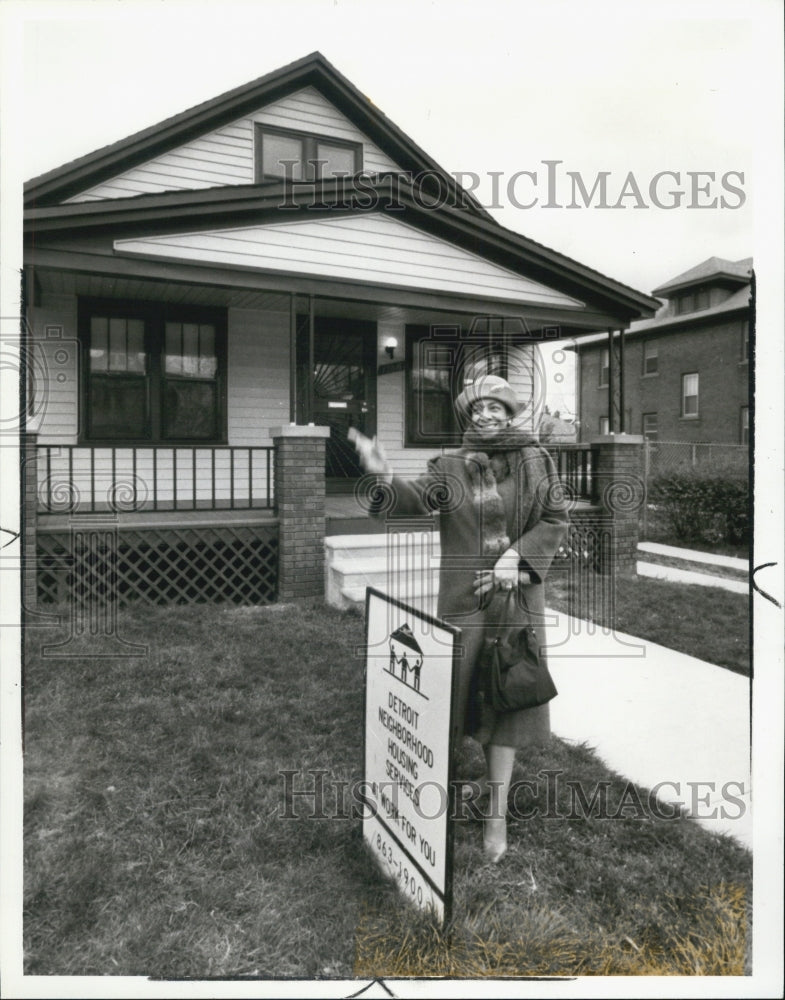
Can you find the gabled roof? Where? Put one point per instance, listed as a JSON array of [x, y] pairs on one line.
[[712, 269], [312, 70]]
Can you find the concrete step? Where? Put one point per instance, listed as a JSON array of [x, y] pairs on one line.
[[354, 562], [360, 546], [422, 598]]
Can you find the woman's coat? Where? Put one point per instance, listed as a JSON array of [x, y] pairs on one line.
[[487, 502]]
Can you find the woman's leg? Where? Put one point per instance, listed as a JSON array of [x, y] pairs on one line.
[[500, 762]]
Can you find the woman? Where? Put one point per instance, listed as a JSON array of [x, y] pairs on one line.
[[502, 517]]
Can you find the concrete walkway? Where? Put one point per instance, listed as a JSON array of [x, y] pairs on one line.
[[658, 572], [699, 577], [693, 555], [657, 716]]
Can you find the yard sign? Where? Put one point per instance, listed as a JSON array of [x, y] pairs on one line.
[[409, 691]]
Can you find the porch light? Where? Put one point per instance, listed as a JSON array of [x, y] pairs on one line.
[[389, 346]]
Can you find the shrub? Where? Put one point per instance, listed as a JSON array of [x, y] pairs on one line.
[[703, 505]]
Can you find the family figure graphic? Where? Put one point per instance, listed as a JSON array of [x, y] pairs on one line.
[[405, 652]]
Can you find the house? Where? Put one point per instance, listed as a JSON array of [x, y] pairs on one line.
[[685, 370], [213, 302]]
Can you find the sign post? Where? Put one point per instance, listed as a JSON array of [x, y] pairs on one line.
[[409, 694]]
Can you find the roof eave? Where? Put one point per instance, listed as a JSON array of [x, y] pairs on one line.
[[491, 239]]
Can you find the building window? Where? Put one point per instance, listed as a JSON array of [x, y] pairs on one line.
[[650, 358], [604, 425], [605, 368], [152, 373], [689, 395], [701, 298], [441, 363], [744, 422], [649, 426], [745, 341], [301, 156]]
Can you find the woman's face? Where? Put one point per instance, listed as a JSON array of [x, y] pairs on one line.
[[489, 416]]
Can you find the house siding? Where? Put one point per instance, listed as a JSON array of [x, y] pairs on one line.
[[226, 155], [369, 248], [713, 351], [257, 375], [55, 357]]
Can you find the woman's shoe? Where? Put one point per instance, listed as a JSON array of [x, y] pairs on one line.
[[494, 839]]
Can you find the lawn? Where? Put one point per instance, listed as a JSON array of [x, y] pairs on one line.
[[707, 622], [155, 843]]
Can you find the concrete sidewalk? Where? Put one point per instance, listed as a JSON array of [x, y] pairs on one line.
[[684, 575], [657, 716]]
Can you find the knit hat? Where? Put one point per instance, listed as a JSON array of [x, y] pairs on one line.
[[488, 387]]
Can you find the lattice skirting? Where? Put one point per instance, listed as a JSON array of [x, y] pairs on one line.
[[222, 564]]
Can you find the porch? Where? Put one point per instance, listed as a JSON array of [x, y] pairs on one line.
[[205, 524]]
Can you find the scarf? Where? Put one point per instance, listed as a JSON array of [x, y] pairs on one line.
[[488, 461]]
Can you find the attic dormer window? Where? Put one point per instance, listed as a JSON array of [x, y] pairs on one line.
[[301, 156]]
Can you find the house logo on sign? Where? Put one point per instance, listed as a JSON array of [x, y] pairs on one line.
[[406, 658]]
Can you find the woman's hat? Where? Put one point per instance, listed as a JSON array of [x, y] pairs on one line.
[[488, 387]]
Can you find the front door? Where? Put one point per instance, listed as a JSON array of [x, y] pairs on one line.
[[344, 389]]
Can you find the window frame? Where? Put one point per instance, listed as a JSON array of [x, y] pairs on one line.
[[310, 141], [605, 426], [685, 415], [651, 343], [604, 375], [648, 436], [465, 350], [155, 315]]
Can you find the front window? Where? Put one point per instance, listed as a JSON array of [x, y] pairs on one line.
[[605, 367], [153, 374], [745, 425], [650, 358], [301, 156], [604, 425], [649, 426], [689, 395], [745, 341], [442, 361]]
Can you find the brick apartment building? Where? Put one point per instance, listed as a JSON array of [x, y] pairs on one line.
[[685, 371]]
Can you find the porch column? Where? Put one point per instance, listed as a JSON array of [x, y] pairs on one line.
[[620, 491], [299, 501]]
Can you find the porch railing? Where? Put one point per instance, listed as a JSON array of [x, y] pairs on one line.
[[82, 480], [575, 466]]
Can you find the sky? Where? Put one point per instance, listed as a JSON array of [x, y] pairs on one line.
[[532, 100]]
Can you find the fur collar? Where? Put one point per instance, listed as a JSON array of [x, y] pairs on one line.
[[489, 461]]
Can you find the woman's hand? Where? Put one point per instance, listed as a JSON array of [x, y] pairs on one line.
[[505, 575], [371, 453]]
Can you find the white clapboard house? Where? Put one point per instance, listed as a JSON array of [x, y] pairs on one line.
[[201, 293]]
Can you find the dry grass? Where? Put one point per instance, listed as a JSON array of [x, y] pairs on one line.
[[154, 843]]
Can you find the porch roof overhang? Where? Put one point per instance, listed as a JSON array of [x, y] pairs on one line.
[[79, 237]]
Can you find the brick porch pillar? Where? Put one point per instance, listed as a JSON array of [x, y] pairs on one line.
[[29, 519], [620, 491], [299, 501]]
